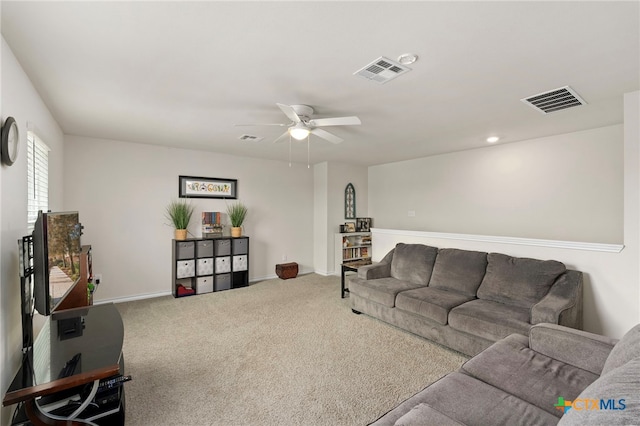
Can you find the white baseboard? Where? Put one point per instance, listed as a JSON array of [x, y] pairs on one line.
[[168, 293], [132, 298]]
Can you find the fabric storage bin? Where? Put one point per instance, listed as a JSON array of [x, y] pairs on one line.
[[185, 250], [204, 266], [240, 245], [185, 268], [240, 263], [223, 264], [223, 247], [204, 248], [223, 282], [204, 284]]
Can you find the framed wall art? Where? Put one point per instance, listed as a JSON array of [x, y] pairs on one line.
[[204, 187], [350, 202]]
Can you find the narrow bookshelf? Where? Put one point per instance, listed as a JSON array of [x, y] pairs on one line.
[[351, 247]]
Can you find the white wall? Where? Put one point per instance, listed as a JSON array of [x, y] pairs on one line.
[[331, 179], [320, 216], [121, 190], [565, 187], [21, 101], [612, 280], [631, 285]]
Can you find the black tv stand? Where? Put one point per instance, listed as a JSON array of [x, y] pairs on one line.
[[98, 359]]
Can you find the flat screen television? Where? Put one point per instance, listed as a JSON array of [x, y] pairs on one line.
[[56, 258]]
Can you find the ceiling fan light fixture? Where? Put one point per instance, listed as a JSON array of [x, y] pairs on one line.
[[299, 131]]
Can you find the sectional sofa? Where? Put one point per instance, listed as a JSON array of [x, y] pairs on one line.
[[466, 300], [557, 375]]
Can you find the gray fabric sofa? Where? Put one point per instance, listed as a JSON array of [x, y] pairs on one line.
[[466, 300], [557, 375]]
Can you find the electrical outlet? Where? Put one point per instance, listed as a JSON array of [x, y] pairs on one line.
[[412, 213], [284, 257], [97, 279]]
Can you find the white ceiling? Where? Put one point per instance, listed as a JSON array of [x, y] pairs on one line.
[[183, 73]]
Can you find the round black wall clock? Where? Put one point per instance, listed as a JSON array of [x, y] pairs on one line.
[[10, 142]]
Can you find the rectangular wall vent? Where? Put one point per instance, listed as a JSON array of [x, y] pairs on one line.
[[382, 70], [554, 100], [250, 138]]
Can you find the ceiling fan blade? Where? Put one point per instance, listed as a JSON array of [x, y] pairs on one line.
[[262, 124], [289, 112], [326, 135], [282, 137], [336, 121]]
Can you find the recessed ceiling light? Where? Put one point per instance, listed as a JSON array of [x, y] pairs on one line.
[[407, 58], [493, 139]]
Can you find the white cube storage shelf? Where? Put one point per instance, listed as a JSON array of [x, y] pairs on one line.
[[185, 268], [204, 266], [204, 284], [223, 264], [207, 265], [240, 263]]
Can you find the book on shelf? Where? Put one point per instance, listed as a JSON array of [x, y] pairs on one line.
[[212, 224]]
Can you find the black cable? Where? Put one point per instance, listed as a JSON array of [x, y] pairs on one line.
[[15, 413]]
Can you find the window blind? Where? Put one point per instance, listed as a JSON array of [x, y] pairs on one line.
[[37, 178]]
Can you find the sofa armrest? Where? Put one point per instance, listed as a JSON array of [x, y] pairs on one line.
[[375, 271], [381, 269], [579, 348], [563, 303]]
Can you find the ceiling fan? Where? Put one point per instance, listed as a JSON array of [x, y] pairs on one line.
[[301, 124]]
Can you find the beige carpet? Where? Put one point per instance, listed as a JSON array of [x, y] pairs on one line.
[[275, 353]]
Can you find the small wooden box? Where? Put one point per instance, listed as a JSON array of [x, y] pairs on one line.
[[287, 270]]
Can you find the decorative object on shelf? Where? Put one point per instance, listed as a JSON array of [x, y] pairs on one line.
[[10, 141], [350, 202], [179, 213], [363, 224], [212, 224], [203, 187], [350, 227], [237, 213]]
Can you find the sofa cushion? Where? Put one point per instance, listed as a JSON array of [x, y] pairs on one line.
[[430, 302], [467, 400], [512, 366], [619, 386], [459, 270], [624, 351], [382, 290], [490, 320], [413, 263], [518, 281]]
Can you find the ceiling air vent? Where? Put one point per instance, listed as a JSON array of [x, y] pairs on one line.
[[250, 138], [382, 70], [554, 100]]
